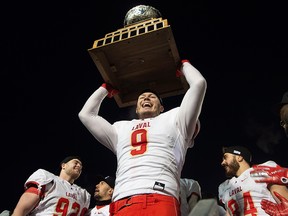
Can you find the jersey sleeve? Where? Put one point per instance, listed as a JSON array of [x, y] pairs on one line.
[[191, 104], [40, 178], [269, 163], [99, 127]]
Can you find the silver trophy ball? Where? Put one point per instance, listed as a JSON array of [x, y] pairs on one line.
[[140, 13]]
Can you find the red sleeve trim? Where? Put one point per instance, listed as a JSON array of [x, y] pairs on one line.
[[33, 190]]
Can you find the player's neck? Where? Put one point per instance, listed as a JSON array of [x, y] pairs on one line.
[[242, 169]]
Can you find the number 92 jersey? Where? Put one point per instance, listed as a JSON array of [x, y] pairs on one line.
[[58, 196]]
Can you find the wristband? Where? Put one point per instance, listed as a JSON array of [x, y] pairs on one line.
[[185, 60]]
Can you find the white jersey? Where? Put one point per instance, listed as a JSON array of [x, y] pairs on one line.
[[150, 152], [242, 195], [98, 211], [187, 188], [60, 197], [142, 155]]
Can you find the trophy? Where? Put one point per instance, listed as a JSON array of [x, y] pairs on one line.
[[143, 54]]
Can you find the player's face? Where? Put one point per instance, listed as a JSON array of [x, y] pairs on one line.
[[230, 164], [103, 191], [74, 168], [148, 105], [284, 118]]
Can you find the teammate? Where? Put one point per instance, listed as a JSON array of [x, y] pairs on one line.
[[190, 194], [150, 150], [48, 194], [103, 196], [240, 194]]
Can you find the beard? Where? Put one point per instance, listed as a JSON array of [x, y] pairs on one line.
[[97, 196], [232, 168]]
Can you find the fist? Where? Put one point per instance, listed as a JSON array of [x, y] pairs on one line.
[[110, 89], [178, 71]]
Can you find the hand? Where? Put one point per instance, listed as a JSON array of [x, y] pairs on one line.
[[274, 209], [110, 89], [178, 71], [270, 175]]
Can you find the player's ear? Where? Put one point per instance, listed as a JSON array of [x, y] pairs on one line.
[[111, 190], [161, 108], [239, 158], [62, 165]]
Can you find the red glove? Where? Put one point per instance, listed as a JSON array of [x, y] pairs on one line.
[[271, 175], [178, 71], [110, 89], [274, 209]]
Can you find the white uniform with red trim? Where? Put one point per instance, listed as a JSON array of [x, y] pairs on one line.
[[242, 195], [150, 152], [60, 197], [99, 210]]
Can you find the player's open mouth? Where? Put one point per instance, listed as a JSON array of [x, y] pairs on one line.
[[146, 104]]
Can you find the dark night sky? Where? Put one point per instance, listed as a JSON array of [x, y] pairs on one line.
[[47, 75]]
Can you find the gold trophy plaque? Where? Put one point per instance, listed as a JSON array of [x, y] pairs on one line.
[[140, 56]]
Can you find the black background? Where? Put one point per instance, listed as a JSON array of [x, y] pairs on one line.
[[47, 75]]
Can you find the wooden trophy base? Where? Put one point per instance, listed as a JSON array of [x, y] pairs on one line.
[[137, 57]]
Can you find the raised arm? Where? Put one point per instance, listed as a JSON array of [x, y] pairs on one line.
[[191, 105], [100, 128]]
